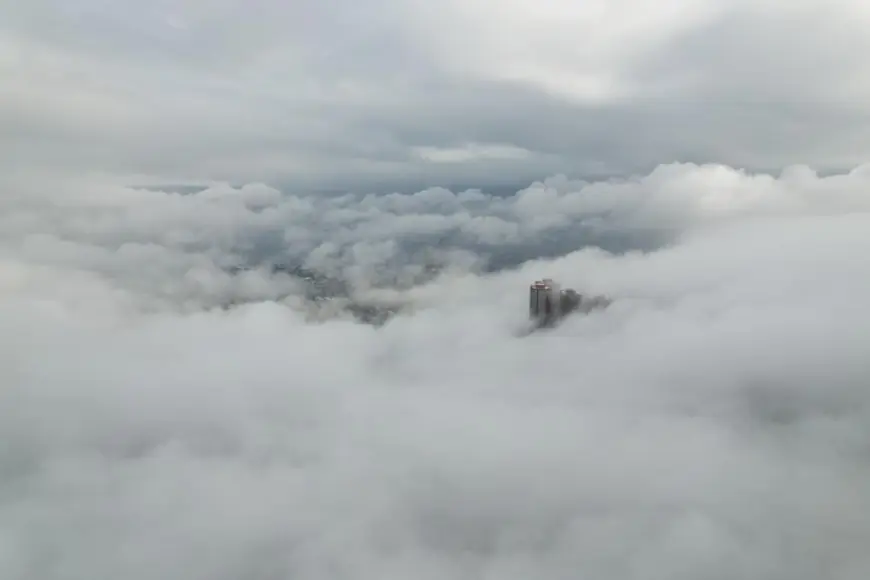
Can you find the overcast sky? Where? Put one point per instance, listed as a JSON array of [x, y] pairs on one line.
[[165, 416], [360, 93]]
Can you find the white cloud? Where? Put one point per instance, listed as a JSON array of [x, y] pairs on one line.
[[469, 153], [710, 424], [578, 51], [174, 402]]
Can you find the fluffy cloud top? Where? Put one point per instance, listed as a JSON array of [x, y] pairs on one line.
[[178, 400], [712, 423]]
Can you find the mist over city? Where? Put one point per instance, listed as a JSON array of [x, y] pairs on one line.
[[265, 273]]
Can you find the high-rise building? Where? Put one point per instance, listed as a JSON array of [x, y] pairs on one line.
[[548, 303]]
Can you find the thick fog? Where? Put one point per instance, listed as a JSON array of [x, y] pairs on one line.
[[171, 410]]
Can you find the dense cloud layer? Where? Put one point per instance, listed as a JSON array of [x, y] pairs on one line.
[[712, 423], [405, 91]]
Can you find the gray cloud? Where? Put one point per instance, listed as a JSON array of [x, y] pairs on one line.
[[710, 424], [346, 96]]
